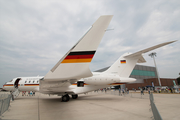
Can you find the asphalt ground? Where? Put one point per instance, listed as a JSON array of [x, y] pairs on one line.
[[94, 105]]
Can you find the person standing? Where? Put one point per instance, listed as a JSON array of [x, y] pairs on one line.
[[171, 90], [33, 93], [127, 90], [141, 91], [149, 90], [119, 91], [123, 91], [12, 96]]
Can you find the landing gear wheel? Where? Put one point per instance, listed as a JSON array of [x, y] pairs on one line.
[[68, 97], [65, 98], [74, 96]]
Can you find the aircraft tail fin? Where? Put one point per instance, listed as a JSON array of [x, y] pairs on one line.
[[75, 63], [126, 63]]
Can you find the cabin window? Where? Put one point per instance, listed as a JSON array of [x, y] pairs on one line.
[[37, 81], [29, 81], [25, 81], [33, 81]]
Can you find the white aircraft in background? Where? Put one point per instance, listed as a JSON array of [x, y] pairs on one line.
[[72, 76]]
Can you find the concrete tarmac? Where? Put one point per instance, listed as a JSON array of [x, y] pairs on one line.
[[96, 106]]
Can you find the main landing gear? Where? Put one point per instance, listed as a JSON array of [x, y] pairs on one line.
[[66, 97], [74, 96]]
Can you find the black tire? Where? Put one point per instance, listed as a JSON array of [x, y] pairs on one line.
[[68, 98], [64, 98]]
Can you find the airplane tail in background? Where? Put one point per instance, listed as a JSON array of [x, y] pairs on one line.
[[126, 63]]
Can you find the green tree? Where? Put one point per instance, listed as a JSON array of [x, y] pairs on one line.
[[178, 80]]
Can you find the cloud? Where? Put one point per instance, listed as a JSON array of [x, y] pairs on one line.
[[35, 34]]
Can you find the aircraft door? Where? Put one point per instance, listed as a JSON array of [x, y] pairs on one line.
[[16, 82]]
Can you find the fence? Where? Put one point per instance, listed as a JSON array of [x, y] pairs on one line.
[[4, 102], [155, 111], [129, 94]]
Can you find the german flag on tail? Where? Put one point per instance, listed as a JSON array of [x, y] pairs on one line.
[[79, 57], [123, 61]]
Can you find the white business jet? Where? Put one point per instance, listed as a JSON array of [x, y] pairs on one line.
[[72, 76]]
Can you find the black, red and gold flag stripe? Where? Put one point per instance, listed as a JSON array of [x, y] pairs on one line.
[[123, 61], [79, 57]]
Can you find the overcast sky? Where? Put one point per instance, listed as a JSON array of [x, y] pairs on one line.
[[35, 34]]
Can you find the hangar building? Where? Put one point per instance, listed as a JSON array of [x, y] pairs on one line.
[[146, 76]]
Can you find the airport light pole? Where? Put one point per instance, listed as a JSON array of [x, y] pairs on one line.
[[152, 55]]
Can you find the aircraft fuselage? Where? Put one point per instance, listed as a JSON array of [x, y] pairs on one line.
[[97, 81]]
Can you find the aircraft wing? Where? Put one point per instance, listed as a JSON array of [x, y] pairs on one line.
[[139, 53], [75, 63]]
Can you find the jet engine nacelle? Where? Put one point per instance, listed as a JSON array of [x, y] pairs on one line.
[[107, 79], [102, 80], [127, 80]]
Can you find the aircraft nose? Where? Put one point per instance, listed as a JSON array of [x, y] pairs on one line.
[[4, 87]]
